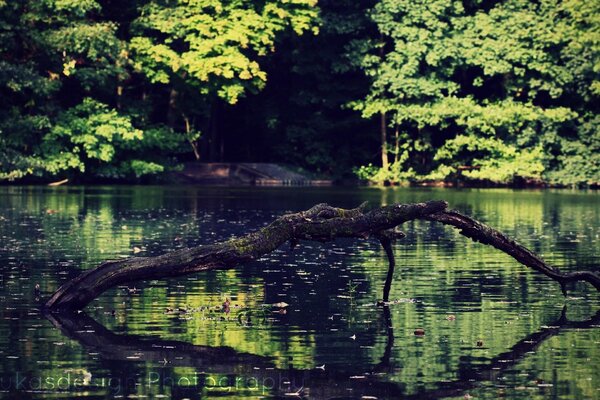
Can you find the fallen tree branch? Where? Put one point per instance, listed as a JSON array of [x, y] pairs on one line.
[[482, 233], [387, 238], [320, 223]]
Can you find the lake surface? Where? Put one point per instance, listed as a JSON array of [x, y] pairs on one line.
[[492, 328]]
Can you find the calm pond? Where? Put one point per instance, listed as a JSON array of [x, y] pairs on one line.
[[492, 328]]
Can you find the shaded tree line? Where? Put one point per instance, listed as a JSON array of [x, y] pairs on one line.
[[391, 91]]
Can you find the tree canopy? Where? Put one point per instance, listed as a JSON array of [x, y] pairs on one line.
[[398, 91], [485, 91]]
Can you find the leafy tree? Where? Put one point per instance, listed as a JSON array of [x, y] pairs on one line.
[[90, 135], [56, 58], [481, 90], [23, 92], [301, 116], [208, 52]]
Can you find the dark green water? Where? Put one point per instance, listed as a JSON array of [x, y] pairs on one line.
[[492, 327]]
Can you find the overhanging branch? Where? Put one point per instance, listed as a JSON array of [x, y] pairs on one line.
[[320, 223], [482, 233]]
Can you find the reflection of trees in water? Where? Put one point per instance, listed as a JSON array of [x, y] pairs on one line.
[[318, 383], [90, 218]]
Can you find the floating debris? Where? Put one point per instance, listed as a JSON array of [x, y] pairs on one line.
[[58, 183]]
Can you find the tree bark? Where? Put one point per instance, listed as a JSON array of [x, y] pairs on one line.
[[320, 223], [396, 143], [188, 132], [172, 109], [482, 233], [384, 146]]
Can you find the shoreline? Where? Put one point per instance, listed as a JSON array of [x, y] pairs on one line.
[[316, 183]]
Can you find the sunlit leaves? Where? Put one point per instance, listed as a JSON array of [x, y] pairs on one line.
[[490, 160], [88, 131], [518, 72], [212, 44], [76, 7], [156, 61], [90, 52], [492, 118]]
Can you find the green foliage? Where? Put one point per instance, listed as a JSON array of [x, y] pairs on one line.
[[484, 92], [93, 136], [87, 133], [13, 164], [508, 83], [91, 53], [303, 118], [394, 174], [214, 45], [490, 160], [579, 159]]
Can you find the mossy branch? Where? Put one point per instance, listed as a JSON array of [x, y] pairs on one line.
[[321, 223]]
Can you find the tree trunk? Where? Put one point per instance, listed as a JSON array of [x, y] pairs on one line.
[[383, 132], [172, 109], [396, 143], [119, 96], [320, 223], [188, 130]]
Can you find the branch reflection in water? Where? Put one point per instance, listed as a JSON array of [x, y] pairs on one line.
[[315, 383]]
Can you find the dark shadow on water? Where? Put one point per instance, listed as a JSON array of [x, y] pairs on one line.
[[315, 383], [111, 346], [470, 376]]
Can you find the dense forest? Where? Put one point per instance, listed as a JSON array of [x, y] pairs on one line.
[[390, 91]]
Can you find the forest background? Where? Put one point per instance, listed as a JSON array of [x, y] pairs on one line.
[[477, 92]]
